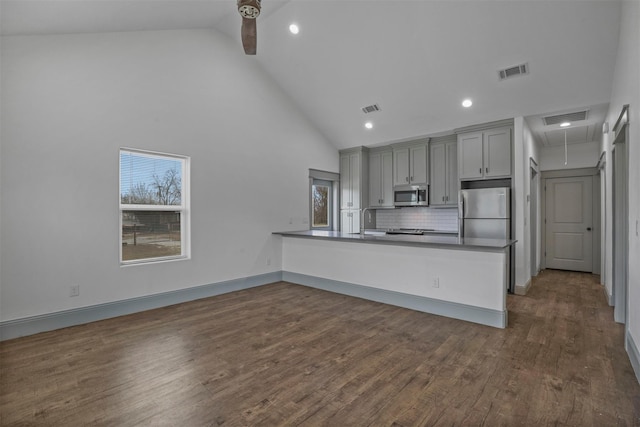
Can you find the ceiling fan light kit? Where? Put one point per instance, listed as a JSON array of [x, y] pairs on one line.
[[249, 10]]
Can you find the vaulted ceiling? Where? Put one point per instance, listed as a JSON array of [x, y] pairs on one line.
[[416, 59]]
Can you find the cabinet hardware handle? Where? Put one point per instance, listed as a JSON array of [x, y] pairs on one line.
[[407, 179], [480, 170], [443, 198], [588, 228], [447, 198], [486, 170]]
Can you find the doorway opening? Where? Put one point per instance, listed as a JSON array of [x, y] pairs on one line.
[[570, 224]]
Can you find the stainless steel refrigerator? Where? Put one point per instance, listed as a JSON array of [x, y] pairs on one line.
[[486, 213]]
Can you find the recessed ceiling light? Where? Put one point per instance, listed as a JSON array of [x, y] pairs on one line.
[[293, 28], [368, 125], [565, 124], [467, 103]]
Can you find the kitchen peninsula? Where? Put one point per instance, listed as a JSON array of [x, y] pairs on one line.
[[462, 278]]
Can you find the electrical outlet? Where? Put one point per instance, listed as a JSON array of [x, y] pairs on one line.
[[436, 282], [74, 290]]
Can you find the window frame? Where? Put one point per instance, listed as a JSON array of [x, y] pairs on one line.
[[334, 179], [183, 208], [316, 182]]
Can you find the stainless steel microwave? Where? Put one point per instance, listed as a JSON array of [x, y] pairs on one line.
[[411, 195]]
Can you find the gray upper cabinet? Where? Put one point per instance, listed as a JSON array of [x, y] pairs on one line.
[[444, 174], [484, 154], [354, 174], [381, 179], [410, 165]]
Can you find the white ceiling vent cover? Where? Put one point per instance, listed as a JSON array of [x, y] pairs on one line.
[[568, 117], [516, 70], [371, 108]]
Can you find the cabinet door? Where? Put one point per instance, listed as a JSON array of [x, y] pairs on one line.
[[497, 153], [350, 181], [375, 180], [354, 172], [401, 166], [470, 155], [418, 169], [452, 182], [349, 221], [386, 185], [345, 182], [438, 172]]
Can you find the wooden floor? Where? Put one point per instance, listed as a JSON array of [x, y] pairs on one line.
[[284, 354]]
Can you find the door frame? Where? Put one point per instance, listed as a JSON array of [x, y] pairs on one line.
[[570, 173], [602, 166], [534, 217], [620, 218]]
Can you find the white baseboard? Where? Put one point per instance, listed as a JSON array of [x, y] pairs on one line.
[[522, 289], [634, 355], [608, 296]]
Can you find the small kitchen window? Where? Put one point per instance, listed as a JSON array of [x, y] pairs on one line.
[[323, 188], [321, 204], [154, 207]]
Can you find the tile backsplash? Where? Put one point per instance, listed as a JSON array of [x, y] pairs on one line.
[[441, 219]]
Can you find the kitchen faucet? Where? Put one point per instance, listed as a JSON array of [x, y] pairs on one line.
[[362, 212]]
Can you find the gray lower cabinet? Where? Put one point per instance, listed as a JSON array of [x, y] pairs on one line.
[[381, 179], [443, 189], [350, 221]]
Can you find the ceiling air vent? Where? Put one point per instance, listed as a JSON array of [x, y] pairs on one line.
[[568, 117], [514, 71], [371, 108]]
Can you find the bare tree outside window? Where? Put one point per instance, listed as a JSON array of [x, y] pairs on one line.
[[321, 205], [152, 206]]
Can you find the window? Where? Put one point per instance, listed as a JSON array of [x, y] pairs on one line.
[[321, 204], [323, 192], [154, 206]]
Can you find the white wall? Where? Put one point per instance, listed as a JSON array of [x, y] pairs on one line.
[[69, 102], [584, 155], [626, 90]]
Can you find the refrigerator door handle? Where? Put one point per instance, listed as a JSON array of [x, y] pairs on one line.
[[461, 216]]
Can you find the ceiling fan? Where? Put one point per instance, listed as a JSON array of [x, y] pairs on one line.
[[249, 10]]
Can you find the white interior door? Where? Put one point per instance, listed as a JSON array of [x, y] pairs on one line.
[[569, 223]]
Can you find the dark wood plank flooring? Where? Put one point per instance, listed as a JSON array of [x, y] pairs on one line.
[[284, 354]]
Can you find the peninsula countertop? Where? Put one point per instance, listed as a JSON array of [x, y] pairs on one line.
[[443, 241]]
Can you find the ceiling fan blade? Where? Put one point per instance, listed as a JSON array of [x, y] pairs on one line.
[[249, 36]]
